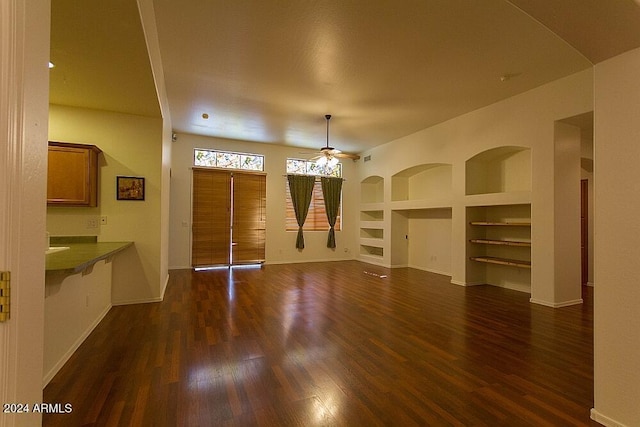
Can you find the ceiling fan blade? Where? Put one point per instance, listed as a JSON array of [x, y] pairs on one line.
[[347, 156]]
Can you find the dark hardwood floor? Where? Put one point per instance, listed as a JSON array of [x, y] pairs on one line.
[[331, 344]]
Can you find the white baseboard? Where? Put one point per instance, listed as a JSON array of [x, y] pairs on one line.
[[138, 301], [399, 266], [461, 283], [556, 304], [604, 420], [52, 373], [180, 267], [305, 261], [164, 287], [430, 270], [373, 262]]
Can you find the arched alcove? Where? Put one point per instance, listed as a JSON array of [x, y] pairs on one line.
[[421, 182], [372, 189], [499, 170]]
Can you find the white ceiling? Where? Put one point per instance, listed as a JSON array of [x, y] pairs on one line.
[[269, 70]]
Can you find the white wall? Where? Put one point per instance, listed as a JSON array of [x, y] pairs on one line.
[[430, 240], [617, 238], [526, 120], [147, 17], [566, 218], [132, 146], [280, 244], [74, 305]]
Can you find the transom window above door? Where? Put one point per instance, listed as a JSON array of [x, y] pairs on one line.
[[307, 167], [208, 158]]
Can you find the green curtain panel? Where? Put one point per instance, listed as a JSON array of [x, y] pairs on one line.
[[331, 189], [301, 188]]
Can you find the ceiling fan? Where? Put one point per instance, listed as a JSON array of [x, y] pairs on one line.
[[328, 156]]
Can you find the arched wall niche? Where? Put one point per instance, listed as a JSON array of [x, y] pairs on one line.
[[422, 182], [372, 189], [499, 170]]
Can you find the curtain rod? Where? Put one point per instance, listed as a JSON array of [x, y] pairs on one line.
[[316, 176]]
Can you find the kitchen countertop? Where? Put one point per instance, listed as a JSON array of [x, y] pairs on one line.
[[80, 256]]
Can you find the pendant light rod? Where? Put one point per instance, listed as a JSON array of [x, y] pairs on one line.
[[328, 117]]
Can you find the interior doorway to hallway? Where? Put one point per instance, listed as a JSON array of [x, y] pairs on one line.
[[584, 229], [584, 122]]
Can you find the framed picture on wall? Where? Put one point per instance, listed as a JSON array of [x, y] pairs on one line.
[[129, 188]]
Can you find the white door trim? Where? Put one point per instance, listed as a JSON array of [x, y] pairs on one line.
[[24, 82]]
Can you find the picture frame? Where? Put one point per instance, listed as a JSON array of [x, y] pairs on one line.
[[129, 188]]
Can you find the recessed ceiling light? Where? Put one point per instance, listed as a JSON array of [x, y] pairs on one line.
[[205, 116], [51, 64]]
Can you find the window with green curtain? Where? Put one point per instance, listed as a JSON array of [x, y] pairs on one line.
[[301, 190], [317, 216], [331, 190]]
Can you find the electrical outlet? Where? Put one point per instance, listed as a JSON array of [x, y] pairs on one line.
[[92, 223]]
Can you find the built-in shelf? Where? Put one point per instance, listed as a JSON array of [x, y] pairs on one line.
[[373, 225], [369, 207], [372, 190], [374, 251], [377, 215], [374, 243], [499, 245], [501, 223], [503, 261], [501, 242], [512, 197], [371, 233], [436, 203]]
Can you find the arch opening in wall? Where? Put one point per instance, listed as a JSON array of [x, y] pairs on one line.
[[422, 182], [372, 189], [499, 170]]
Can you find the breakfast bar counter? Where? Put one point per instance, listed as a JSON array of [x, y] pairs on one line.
[[80, 256]]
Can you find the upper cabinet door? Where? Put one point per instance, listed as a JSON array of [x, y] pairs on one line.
[[72, 175]]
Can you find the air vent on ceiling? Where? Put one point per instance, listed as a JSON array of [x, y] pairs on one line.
[[367, 158]]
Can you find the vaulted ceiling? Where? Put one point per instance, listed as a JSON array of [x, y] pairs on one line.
[[268, 71]]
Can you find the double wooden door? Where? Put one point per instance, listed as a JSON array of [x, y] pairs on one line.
[[229, 212]]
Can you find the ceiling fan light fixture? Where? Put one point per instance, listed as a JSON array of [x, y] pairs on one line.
[[327, 161]]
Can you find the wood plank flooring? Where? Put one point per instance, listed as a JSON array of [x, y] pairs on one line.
[[331, 344]]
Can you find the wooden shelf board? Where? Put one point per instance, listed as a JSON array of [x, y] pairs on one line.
[[372, 242], [513, 224], [372, 256], [503, 261], [501, 242]]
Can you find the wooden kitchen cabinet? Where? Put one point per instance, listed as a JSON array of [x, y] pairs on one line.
[[72, 178]]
